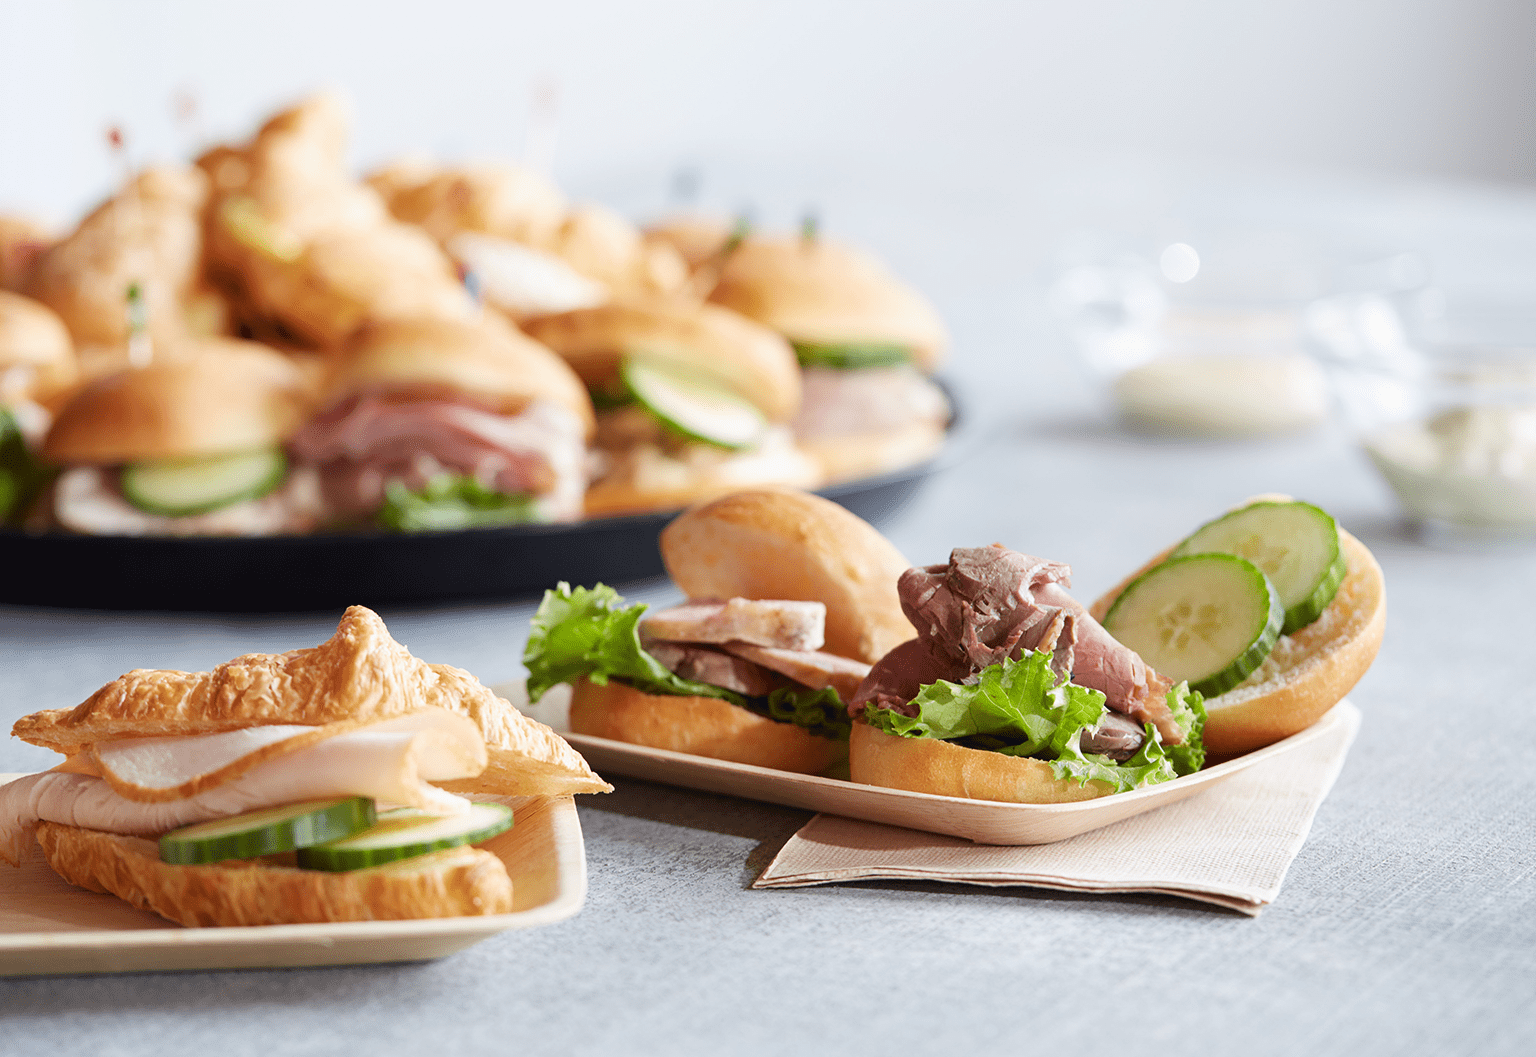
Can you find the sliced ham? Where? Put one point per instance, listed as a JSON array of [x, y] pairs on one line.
[[813, 668], [364, 442], [392, 761], [706, 664], [837, 403], [762, 622]]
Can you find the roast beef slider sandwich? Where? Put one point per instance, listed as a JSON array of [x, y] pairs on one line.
[[439, 424], [866, 342], [791, 597], [694, 401], [190, 445], [314, 785]]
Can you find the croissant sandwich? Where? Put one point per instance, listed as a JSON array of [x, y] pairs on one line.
[[323, 784]]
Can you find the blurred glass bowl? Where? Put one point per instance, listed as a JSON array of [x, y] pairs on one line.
[[1439, 384], [1205, 337]]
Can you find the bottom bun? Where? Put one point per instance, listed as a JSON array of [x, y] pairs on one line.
[[928, 765], [457, 882], [855, 455], [701, 726]]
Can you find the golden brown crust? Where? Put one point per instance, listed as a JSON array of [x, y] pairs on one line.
[[700, 726], [751, 359], [22, 242], [508, 201], [696, 238], [1308, 671], [928, 765], [853, 456], [646, 477], [819, 291], [33, 342], [779, 543], [452, 883], [486, 359], [214, 397], [359, 674]]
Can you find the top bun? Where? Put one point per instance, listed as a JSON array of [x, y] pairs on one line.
[[34, 339], [751, 359], [695, 238], [815, 291], [485, 359], [212, 397], [779, 543]]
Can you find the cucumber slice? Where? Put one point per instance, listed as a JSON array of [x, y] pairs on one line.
[[694, 404], [268, 831], [180, 487], [1297, 546], [852, 356], [1207, 618], [405, 833]]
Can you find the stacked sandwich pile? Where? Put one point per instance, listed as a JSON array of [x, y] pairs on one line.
[[260, 343]]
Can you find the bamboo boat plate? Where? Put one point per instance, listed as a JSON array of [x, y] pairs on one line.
[[50, 927], [982, 821]]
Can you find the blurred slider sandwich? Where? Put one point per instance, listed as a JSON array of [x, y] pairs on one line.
[[791, 598], [191, 444], [694, 402], [864, 339], [322, 784], [445, 424]]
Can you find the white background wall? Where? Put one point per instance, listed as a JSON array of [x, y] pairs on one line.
[[1436, 87]]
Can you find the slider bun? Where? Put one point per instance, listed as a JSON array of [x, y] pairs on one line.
[[35, 340], [700, 726], [484, 359], [928, 765], [695, 238], [22, 241], [856, 455], [779, 543], [211, 397], [646, 478], [1309, 670], [822, 292], [750, 359], [454, 882], [508, 201]]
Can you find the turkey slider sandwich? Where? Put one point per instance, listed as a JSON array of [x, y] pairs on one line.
[[443, 424], [1288, 613], [191, 445], [695, 402], [865, 340], [791, 597], [1012, 691], [322, 784]]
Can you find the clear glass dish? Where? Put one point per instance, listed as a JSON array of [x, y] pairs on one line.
[[1439, 385]]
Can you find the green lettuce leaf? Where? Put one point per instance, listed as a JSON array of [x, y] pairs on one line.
[[821, 712], [591, 632], [1019, 709], [22, 477], [452, 501]]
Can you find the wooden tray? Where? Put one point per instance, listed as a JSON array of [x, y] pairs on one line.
[[48, 926], [983, 821]]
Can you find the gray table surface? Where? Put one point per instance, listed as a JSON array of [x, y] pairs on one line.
[[1407, 923]]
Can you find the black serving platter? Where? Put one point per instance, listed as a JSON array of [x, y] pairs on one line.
[[303, 573]]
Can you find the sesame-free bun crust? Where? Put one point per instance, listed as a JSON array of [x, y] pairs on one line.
[[750, 359], [452, 883], [780, 543], [485, 359], [34, 338], [700, 726], [206, 398], [852, 456], [928, 765], [826, 293], [1308, 672]]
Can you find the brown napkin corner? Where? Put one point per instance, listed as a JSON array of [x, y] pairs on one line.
[[1230, 845]]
